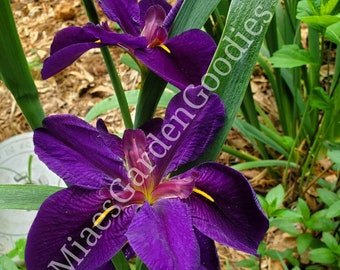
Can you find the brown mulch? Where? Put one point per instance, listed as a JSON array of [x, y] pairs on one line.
[[76, 89]]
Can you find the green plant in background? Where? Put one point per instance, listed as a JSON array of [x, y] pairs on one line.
[[7, 262], [308, 107], [316, 234]]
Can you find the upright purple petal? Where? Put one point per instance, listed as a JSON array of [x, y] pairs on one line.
[[138, 163], [192, 119], [235, 217], [154, 18], [144, 5], [188, 60], [63, 232], [172, 15], [124, 12], [75, 151], [163, 237]]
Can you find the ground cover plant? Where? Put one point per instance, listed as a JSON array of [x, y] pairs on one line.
[[151, 194]]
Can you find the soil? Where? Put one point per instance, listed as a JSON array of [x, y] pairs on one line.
[[86, 82]]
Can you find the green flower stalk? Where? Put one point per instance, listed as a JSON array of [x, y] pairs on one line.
[[14, 70]]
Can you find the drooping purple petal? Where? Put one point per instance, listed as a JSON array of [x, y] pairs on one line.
[[106, 266], [144, 5], [67, 46], [65, 57], [235, 217], [107, 37], [209, 258], [63, 232], [74, 150], [70, 36], [124, 12], [163, 237], [192, 119], [70, 43], [188, 60]]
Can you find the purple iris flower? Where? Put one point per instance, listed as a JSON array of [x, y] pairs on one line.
[[181, 60], [123, 193]]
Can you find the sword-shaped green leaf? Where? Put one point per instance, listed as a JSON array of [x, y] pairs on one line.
[[14, 70]]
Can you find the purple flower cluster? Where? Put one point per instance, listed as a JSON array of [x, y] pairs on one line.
[[181, 60], [128, 193]]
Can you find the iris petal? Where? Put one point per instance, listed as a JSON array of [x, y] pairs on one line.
[[154, 18], [106, 266], [172, 15], [191, 53], [144, 5], [174, 188], [235, 218], [163, 237], [63, 232], [70, 43], [75, 151], [188, 128], [124, 12], [209, 258], [70, 36], [65, 57]]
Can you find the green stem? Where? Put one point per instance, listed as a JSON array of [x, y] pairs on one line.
[[296, 141], [239, 154], [249, 111], [117, 85], [149, 96], [325, 123], [115, 80]]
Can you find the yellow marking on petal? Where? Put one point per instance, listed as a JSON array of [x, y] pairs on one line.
[[102, 216], [205, 195], [165, 48], [98, 41]]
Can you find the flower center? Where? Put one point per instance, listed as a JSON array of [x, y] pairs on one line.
[[153, 29], [140, 168]]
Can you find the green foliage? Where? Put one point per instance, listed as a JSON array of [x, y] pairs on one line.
[[334, 154], [26, 197], [19, 250], [308, 108], [120, 262], [14, 69], [7, 262], [316, 233], [273, 200], [333, 33], [290, 56]]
